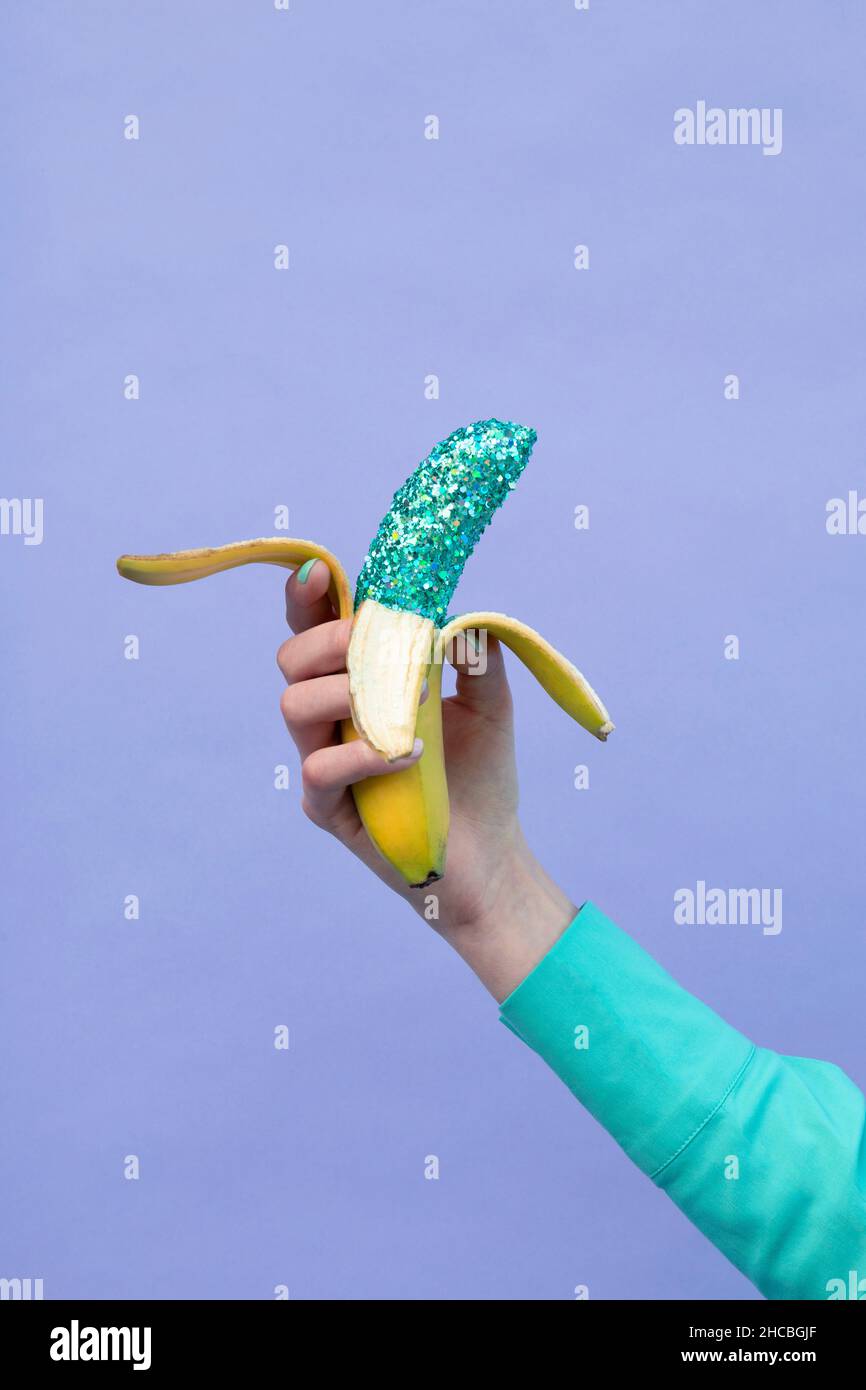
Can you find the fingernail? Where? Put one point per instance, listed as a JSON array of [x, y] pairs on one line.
[[417, 748], [304, 571]]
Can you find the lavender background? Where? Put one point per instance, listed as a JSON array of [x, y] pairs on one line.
[[258, 388]]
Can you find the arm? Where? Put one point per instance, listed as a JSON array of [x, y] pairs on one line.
[[764, 1153]]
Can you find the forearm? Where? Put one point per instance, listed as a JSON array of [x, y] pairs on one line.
[[761, 1151]]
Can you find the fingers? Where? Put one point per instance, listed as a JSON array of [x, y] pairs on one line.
[[313, 662], [318, 651], [316, 698], [482, 681], [317, 694], [322, 700], [312, 707], [328, 771], [307, 602]]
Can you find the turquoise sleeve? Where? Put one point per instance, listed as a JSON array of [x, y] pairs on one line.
[[765, 1154]]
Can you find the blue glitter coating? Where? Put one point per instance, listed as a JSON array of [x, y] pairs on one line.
[[436, 518]]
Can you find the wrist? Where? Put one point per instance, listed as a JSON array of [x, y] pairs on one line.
[[523, 917]]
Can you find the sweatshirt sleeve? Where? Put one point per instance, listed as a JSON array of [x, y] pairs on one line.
[[764, 1153]]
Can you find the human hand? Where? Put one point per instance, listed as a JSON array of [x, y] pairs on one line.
[[496, 905]]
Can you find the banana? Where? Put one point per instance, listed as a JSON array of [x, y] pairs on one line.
[[401, 634]]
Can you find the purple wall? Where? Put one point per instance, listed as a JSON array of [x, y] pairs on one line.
[[154, 777]]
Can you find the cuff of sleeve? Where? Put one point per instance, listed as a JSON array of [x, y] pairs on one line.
[[648, 1060]]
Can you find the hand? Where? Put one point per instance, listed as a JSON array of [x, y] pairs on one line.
[[497, 906]]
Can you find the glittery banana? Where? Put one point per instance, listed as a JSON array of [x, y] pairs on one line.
[[401, 634]]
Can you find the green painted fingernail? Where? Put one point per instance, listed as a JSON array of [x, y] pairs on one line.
[[304, 571]]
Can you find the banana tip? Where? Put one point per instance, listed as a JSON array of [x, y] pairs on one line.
[[432, 877]]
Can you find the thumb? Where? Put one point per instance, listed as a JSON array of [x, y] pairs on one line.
[[482, 681], [307, 602]]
